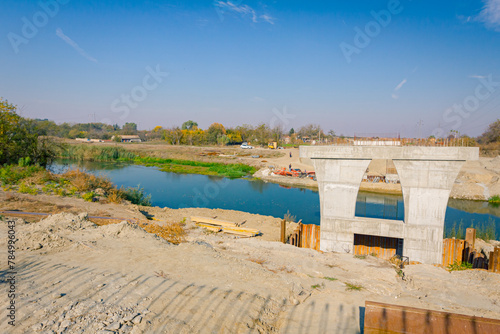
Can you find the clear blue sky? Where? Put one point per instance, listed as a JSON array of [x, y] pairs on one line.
[[327, 62]]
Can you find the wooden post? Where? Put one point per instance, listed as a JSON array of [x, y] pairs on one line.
[[470, 237], [283, 231], [496, 257]]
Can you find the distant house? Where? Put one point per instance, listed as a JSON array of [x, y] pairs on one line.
[[306, 139], [130, 139]]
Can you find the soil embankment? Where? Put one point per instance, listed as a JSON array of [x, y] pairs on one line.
[[74, 276]]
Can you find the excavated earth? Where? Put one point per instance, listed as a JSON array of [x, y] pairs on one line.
[[73, 276]]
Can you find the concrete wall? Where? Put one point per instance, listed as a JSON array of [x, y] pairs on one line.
[[426, 174]]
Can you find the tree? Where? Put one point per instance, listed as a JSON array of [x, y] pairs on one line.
[[234, 136], [262, 134], [492, 134], [174, 135], [19, 139], [215, 131], [246, 131], [313, 131], [277, 133], [189, 125], [129, 129], [291, 132]]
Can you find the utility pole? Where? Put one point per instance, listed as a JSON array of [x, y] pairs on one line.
[[419, 124]]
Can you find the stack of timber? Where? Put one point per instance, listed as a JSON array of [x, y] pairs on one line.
[[217, 225]]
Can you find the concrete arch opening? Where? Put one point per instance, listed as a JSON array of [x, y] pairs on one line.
[[380, 194]]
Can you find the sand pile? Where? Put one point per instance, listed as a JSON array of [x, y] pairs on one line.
[[65, 229], [126, 230], [52, 232]]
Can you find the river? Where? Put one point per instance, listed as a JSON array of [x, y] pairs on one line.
[[190, 190]]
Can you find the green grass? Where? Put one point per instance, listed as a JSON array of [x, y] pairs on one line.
[[317, 286], [106, 153], [352, 287], [361, 257], [95, 153], [484, 230], [457, 266], [330, 278], [494, 199], [197, 167]]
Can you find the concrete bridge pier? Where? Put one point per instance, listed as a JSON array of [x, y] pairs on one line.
[[426, 186], [338, 182], [426, 174]]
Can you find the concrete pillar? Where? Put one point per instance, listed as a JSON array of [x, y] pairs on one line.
[[426, 186], [338, 181]]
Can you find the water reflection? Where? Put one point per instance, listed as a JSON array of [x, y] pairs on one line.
[[380, 206], [475, 207]]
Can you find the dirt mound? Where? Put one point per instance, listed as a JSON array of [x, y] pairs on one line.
[[127, 231], [52, 232]]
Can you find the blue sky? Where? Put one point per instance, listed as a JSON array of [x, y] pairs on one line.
[[356, 67]]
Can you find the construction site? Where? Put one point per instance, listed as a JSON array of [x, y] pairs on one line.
[[210, 270]]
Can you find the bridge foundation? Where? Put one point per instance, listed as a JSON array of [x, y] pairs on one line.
[[426, 174]]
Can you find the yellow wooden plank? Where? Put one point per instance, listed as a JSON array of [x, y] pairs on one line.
[[212, 221], [242, 230], [210, 227]]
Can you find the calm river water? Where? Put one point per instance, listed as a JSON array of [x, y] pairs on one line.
[[189, 190]]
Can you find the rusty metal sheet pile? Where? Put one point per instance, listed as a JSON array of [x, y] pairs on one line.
[[387, 318]]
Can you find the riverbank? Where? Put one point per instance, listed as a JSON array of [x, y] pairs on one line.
[[77, 276], [477, 180]]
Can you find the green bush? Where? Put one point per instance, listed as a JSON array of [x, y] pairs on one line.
[[137, 196], [88, 196], [494, 199], [456, 266], [10, 174], [26, 189]]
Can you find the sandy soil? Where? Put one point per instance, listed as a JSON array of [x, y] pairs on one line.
[[75, 277]]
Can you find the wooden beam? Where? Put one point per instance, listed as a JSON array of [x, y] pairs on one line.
[[212, 221]]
